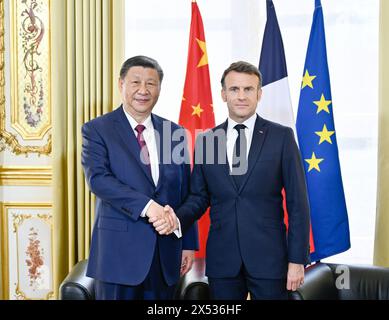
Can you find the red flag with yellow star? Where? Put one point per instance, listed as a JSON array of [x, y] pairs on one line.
[[196, 107]]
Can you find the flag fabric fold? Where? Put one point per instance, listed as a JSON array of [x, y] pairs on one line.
[[275, 104], [196, 106], [318, 145]]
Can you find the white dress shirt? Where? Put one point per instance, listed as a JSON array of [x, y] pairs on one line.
[[149, 137], [232, 135]]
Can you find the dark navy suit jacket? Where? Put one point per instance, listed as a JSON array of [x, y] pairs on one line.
[[247, 222], [123, 243]]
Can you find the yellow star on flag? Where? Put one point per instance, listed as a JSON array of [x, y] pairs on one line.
[[307, 80], [197, 110], [322, 104], [325, 135], [204, 58], [313, 162]]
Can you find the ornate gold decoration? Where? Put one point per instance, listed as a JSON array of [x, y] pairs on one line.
[[6, 137], [19, 295], [18, 219], [31, 112], [4, 251], [48, 218], [25, 176]]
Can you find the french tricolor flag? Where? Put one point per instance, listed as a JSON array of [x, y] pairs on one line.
[[276, 104]]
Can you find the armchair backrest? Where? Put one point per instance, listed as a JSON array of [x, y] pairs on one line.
[[361, 282]]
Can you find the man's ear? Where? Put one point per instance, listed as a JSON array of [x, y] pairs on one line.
[[120, 82], [259, 94], [224, 95]]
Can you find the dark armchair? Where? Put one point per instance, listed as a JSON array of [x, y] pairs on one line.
[[193, 286], [325, 281], [77, 286]]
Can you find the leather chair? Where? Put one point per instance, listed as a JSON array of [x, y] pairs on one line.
[[77, 286], [193, 286], [323, 281], [326, 281]]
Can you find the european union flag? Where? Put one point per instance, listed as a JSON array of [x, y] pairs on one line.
[[317, 140]]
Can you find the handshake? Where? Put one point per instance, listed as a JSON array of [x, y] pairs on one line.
[[163, 219]]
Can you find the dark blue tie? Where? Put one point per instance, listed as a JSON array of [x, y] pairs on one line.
[[239, 156]]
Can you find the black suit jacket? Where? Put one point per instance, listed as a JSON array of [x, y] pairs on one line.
[[247, 222]]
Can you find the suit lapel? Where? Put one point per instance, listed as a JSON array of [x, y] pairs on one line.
[[128, 136], [259, 135], [158, 126]]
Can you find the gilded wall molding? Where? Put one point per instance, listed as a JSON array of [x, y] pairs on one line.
[[25, 176], [7, 138], [4, 252], [19, 225]]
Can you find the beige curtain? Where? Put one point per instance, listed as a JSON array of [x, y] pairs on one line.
[[381, 244], [87, 51]]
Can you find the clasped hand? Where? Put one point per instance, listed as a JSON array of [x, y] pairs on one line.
[[163, 219]]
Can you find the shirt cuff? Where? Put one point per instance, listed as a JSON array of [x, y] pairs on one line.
[[178, 232], [143, 213]]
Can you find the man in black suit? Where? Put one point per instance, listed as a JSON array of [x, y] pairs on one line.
[[248, 247]]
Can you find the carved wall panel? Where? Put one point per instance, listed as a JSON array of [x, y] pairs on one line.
[[25, 127], [27, 260]]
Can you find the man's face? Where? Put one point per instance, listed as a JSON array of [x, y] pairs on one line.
[[242, 94], [140, 91]]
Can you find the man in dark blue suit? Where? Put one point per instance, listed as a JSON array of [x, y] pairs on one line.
[[241, 167], [122, 157]]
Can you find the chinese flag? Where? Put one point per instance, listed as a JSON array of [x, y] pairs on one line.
[[196, 107]]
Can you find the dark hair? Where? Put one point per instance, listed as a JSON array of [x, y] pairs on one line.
[[242, 67], [141, 61]]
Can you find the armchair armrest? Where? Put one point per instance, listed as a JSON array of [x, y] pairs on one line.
[[77, 286], [318, 284], [194, 285]]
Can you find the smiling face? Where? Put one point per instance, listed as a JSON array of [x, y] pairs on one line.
[[242, 93], [140, 90]]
